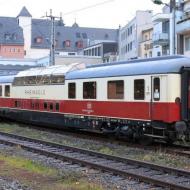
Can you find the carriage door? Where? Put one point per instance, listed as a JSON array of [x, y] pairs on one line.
[[159, 96], [185, 94]]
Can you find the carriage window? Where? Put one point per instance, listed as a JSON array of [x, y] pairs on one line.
[[45, 79], [45, 105], [72, 90], [17, 104], [18, 81], [51, 106], [7, 90], [89, 90], [116, 89], [31, 80], [57, 79], [156, 89], [37, 105], [57, 106], [1, 91], [139, 87]]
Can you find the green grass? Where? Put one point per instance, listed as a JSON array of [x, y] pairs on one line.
[[28, 165], [48, 178]]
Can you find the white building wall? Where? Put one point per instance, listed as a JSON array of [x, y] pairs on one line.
[[37, 53], [26, 24], [142, 20]]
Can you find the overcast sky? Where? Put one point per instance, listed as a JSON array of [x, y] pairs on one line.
[[111, 14]]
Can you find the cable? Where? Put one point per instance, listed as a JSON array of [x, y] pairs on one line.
[[88, 7]]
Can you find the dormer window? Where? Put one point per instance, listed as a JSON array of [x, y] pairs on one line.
[[58, 33], [78, 35], [7, 36], [84, 35], [106, 36], [38, 40], [79, 44], [67, 43]]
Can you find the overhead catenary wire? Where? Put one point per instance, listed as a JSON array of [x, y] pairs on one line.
[[70, 12]]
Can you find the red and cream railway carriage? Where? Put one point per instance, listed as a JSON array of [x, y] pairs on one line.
[[139, 98]]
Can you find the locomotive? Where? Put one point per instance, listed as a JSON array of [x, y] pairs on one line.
[[138, 99]]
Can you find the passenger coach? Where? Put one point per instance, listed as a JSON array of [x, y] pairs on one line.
[[137, 99]]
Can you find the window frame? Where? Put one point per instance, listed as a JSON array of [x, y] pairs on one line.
[[9, 91], [88, 95], [70, 88], [1, 90], [158, 93], [137, 95], [116, 96]]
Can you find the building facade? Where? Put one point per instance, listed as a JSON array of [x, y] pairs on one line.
[[11, 38], [146, 45], [161, 34], [183, 28], [130, 35], [69, 40], [107, 51]]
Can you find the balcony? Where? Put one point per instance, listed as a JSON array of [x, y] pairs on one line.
[[183, 25], [161, 39], [160, 17]]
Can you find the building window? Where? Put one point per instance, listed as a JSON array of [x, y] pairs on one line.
[[139, 89], [72, 90], [84, 35], [1, 90], [131, 45], [38, 40], [7, 90], [79, 44], [78, 35], [89, 90], [156, 89], [131, 30], [7, 36], [187, 43], [106, 36], [99, 50], [158, 54], [67, 43], [116, 89], [150, 54]]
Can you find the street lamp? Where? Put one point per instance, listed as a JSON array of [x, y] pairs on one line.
[[172, 6], [157, 2]]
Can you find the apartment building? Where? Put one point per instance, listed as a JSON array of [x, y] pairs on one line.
[[146, 45], [183, 28], [130, 36]]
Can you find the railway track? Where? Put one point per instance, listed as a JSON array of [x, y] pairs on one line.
[[143, 171], [175, 149]]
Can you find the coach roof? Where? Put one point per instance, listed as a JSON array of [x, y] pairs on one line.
[[172, 64], [7, 79]]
